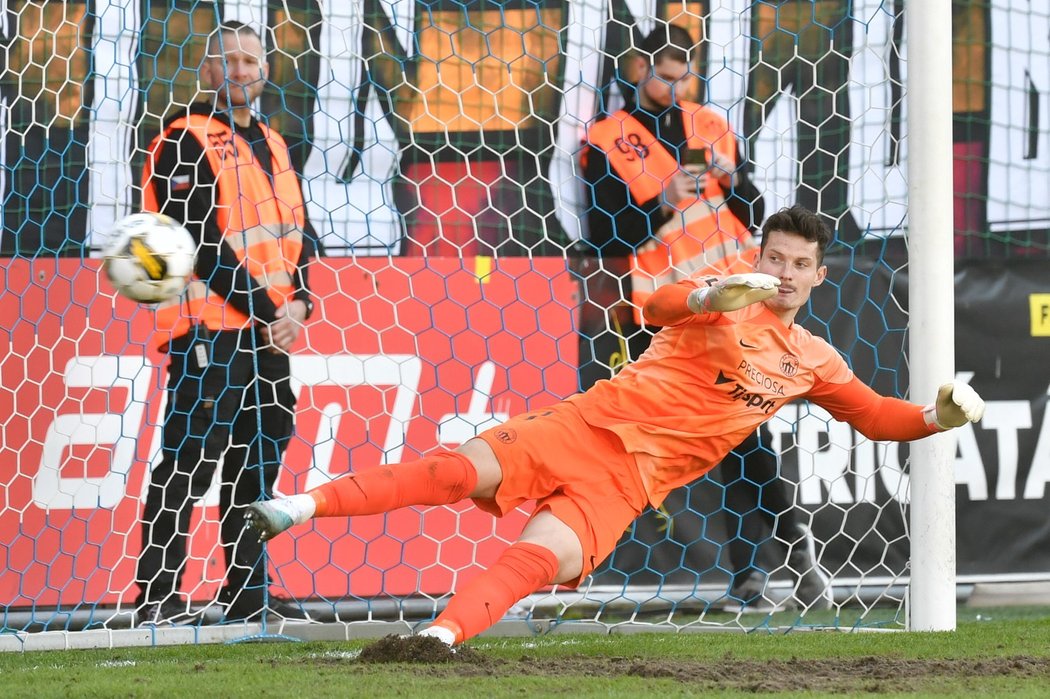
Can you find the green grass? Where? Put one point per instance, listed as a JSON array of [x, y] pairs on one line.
[[994, 652]]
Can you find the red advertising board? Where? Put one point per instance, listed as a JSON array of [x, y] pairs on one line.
[[403, 357]]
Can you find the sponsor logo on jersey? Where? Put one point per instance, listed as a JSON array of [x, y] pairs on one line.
[[755, 375], [745, 394], [753, 400]]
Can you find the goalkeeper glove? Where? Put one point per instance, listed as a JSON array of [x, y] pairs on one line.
[[732, 293], [957, 403]]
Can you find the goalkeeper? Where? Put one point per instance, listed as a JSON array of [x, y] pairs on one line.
[[728, 357]]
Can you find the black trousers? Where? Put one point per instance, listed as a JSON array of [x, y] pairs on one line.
[[228, 403], [756, 502]]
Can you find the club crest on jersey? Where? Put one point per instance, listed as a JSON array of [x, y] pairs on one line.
[[789, 365], [506, 435]]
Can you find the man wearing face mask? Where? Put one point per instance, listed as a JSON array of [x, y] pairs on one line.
[[228, 178]]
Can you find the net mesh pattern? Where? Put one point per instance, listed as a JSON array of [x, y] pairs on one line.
[[438, 145]]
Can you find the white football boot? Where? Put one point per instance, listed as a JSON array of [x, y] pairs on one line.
[[271, 517]]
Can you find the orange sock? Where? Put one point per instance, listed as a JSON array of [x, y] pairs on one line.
[[521, 570], [440, 479]]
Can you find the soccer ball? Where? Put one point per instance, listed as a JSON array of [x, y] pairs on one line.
[[149, 257]]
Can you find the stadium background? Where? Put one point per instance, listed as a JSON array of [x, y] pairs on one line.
[[447, 201]]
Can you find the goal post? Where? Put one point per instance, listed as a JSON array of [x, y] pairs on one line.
[[931, 324]]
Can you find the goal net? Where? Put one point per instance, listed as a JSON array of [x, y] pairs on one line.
[[439, 147]]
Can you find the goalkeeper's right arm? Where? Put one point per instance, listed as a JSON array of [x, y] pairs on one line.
[[674, 303]]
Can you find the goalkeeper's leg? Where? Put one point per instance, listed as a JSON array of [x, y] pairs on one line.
[[548, 551], [440, 479]]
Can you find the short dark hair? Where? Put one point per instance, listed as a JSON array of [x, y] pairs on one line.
[[800, 221], [667, 41], [231, 27]]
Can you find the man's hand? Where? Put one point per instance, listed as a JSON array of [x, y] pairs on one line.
[[682, 187], [957, 403], [284, 330], [733, 292], [725, 171]]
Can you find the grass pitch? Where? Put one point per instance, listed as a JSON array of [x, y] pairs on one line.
[[995, 652]]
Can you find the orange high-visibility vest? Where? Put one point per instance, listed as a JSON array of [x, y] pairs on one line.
[[739, 262], [710, 237], [261, 221], [703, 231], [645, 164]]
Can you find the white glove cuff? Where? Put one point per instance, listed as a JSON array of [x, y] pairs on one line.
[[697, 300], [929, 416]]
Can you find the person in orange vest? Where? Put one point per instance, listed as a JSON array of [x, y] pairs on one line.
[[665, 191], [229, 179], [663, 174]]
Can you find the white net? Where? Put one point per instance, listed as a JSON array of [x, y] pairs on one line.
[[459, 281]]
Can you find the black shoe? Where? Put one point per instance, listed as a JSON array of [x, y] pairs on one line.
[[287, 609], [811, 587], [747, 596], [249, 605], [170, 612], [811, 592]]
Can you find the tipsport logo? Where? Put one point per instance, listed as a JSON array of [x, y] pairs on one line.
[[742, 393], [756, 377]]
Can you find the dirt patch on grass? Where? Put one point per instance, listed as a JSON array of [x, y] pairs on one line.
[[866, 674], [418, 649]]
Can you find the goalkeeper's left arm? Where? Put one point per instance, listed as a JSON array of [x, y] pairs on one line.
[[674, 303]]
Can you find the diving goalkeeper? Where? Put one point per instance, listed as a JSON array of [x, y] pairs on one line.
[[728, 357]]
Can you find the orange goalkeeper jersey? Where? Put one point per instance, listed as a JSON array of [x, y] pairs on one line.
[[707, 383]]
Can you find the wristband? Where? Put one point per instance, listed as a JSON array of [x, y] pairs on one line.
[[929, 416], [697, 300]]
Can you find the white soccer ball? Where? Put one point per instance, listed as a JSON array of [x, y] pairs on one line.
[[149, 257]]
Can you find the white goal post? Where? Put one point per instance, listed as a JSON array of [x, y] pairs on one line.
[[931, 302]]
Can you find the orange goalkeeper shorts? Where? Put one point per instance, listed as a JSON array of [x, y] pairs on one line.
[[580, 473]]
